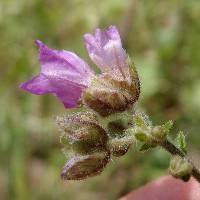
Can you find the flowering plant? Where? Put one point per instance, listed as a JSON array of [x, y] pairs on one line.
[[109, 122]]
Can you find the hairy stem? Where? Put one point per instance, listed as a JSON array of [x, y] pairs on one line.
[[172, 149]]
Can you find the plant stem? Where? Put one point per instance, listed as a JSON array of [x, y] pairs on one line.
[[172, 149]]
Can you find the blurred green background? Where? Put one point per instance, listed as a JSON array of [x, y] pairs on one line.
[[163, 37]]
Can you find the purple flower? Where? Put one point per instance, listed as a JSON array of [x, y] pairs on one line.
[[105, 50], [63, 74]]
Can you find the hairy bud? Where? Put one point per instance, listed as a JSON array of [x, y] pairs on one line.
[[120, 146], [180, 168], [81, 167], [116, 126], [82, 131], [150, 135], [108, 94]]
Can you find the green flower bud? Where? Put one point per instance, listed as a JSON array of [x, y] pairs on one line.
[[180, 168], [141, 135], [82, 131], [107, 95], [157, 134], [81, 167], [151, 137]]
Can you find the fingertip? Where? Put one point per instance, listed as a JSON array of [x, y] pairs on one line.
[[166, 188]]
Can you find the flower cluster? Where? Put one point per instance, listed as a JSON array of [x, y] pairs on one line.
[[108, 98], [88, 141]]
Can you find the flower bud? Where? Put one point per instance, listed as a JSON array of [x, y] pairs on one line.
[[141, 135], [150, 135], [81, 167], [180, 168], [157, 134], [82, 131], [120, 146], [107, 94]]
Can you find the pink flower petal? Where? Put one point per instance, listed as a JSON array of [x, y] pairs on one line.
[[105, 50], [63, 74]]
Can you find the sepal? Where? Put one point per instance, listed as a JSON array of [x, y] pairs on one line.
[[108, 94], [83, 166], [82, 132]]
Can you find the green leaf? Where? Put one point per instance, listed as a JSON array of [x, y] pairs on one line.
[[167, 127], [181, 142], [146, 147]]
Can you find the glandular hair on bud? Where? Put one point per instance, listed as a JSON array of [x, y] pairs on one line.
[[107, 95], [120, 146], [82, 131], [81, 167]]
